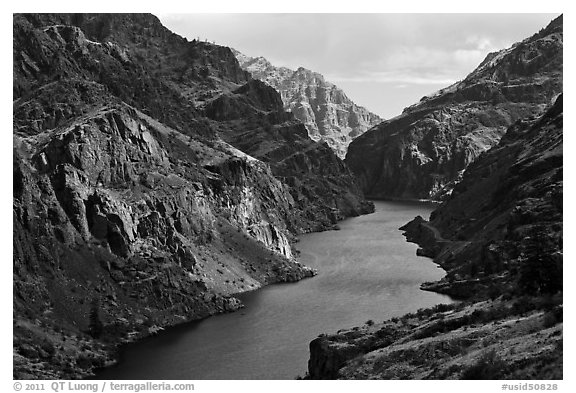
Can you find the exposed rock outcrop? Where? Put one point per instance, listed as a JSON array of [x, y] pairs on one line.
[[328, 114], [130, 211], [107, 213], [505, 215], [485, 340], [132, 56], [422, 153], [252, 119]]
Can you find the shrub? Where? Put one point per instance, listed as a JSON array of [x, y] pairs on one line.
[[95, 325], [443, 307], [523, 305], [550, 319], [488, 366], [541, 272], [48, 348], [385, 332], [494, 292]]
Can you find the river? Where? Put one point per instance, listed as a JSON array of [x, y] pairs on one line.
[[366, 270]]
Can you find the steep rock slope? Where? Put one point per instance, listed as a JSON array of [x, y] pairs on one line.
[[252, 119], [504, 216], [328, 114], [132, 55], [130, 212], [499, 237], [422, 153]]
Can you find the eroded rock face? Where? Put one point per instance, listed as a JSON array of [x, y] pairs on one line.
[[132, 56], [422, 153], [328, 114], [504, 219], [103, 211], [323, 188], [130, 211]]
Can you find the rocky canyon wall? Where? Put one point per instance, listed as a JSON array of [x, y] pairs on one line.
[[328, 114], [131, 210], [422, 153]]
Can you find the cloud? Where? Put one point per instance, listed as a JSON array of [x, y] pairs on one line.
[[350, 43], [399, 77], [468, 58], [412, 65], [482, 43]]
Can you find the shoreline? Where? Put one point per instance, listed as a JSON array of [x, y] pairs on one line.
[[431, 202], [118, 348], [187, 324], [115, 349]]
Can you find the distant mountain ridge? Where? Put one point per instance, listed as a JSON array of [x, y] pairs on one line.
[[423, 152], [327, 112]]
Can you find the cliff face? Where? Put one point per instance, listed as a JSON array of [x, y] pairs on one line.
[[130, 212], [132, 56], [252, 119], [499, 237], [328, 114], [503, 223], [423, 152]]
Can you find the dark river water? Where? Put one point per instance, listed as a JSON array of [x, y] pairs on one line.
[[366, 270]]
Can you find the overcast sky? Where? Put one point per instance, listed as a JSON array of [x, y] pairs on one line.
[[384, 62]]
